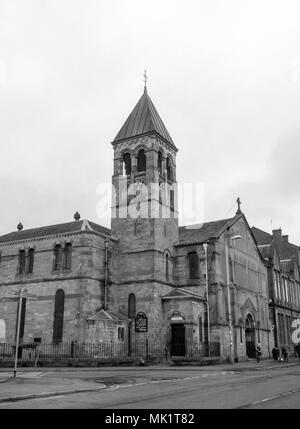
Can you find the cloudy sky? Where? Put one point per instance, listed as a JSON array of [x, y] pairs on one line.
[[224, 76]]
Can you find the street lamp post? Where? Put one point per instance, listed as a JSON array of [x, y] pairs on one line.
[[22, 294], [205, 245], [236, 237]]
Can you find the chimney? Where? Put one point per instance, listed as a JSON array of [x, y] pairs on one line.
[[277, 234], [285, 238]]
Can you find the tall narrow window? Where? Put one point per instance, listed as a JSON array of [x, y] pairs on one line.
[[58, 323], [131, 306], [68, 256], [167, 266], [241, 334], [169, 169], [159, 162], [22, 261], [193, 265], [57, 257], [126, 164], [141, 161], [30, 261]]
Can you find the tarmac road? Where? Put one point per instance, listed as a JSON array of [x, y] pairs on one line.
[[175, 388]]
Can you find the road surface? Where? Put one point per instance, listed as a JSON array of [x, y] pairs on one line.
[[175, 388]]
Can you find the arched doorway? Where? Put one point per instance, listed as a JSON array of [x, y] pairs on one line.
[[250, 336]]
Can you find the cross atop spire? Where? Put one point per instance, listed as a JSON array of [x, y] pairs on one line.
[[145, 79], [239, 211]]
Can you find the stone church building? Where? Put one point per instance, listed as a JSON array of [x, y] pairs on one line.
[[198, 287]]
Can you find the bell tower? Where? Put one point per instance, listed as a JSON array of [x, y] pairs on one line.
[[144, 210]]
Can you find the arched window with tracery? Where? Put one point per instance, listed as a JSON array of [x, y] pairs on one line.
[[141, 161], [193, 261], [131, 306], [58, 323], [126, 164]]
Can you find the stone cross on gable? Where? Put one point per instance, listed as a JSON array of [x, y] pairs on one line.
[[239, 211]]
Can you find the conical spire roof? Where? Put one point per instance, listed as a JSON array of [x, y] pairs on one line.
[[142, 120]]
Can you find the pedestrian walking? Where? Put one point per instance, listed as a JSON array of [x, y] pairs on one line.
[[297, 350], [285, 354], [275, 353]]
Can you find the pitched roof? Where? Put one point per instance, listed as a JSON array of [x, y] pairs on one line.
[[62, 228], [108, 315], [285, 249], [202, 233], [179, 293], [142, 120], [262, 237]]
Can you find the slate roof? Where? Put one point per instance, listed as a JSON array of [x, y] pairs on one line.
[[142, 120], [285, 249], [202, 233], [62, 228]]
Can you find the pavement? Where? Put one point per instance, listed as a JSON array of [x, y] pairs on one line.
[[33, 383]]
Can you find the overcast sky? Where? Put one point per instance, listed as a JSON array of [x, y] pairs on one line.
[[224, 76]]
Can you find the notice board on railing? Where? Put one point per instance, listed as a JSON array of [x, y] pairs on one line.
[[141, 322]]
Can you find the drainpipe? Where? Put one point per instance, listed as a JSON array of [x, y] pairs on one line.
[[205, 246], [105, 275]]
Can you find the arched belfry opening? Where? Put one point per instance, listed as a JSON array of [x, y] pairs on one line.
[[141, 161], [126, 164]]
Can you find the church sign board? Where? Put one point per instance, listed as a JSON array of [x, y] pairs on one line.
[[141, 322]]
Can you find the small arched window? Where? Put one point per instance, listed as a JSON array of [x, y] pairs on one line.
[[58, 323], [68, 256], [30, 261], [22, 261], [126, 164], [159, 162], [169, 169], [131, 306], [167, 262], [141, 161], [57, 257], [193, 260]]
